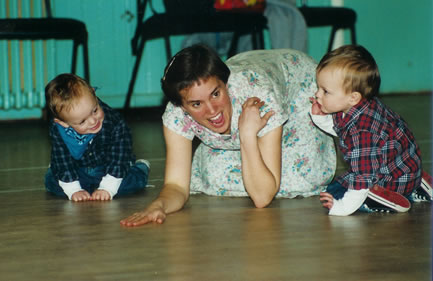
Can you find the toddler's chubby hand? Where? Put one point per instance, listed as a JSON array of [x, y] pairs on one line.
[[81, 195], [315, 107], [326, 199], [101, 195]]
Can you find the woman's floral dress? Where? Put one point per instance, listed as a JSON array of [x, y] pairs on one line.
[[284, 79]]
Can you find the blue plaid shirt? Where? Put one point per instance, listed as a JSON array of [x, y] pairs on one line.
[[111, 147]]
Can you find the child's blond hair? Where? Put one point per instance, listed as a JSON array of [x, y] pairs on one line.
[[359, 69], [63, 91]]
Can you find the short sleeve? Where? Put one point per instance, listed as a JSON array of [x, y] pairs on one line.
[[276, 120], [174, 119], [252, 78]]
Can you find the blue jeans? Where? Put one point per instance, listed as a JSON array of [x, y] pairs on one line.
[[89, 179], [336, 189]]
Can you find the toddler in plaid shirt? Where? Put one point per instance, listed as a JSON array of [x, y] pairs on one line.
[[383, 157], [91, 145]]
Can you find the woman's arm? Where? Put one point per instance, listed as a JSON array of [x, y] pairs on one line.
[[175, 191], [261, 157]]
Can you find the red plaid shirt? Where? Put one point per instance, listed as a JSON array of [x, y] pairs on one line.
[[379, 148]]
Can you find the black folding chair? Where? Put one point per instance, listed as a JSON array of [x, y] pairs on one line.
[[183, 19], [337, 17], [49, 28]]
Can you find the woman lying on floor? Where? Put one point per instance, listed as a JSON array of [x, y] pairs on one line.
[[251, 116]]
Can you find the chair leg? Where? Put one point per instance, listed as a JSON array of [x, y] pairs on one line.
[[258, 39], [86, 61], [254, 39], [74, 56], [233, 45], [134, 76], [353, 34], [167, 48], [261, 40], [334, 31], [331, 39]]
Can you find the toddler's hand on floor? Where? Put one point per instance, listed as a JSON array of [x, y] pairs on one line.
[[81, 195], [101, 195], [326, 199]]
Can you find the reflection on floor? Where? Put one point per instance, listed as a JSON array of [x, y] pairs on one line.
[[44, 238]]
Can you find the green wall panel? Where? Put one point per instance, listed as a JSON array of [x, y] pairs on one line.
[[399, 35], [397, 32]]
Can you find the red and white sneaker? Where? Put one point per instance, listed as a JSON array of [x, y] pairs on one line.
[[427, 184], [424, 192], [388, 198]]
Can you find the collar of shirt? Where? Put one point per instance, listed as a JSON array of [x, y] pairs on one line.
[[342, 121], [75, 142]]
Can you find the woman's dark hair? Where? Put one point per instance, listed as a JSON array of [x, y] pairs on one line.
[[189, 66]]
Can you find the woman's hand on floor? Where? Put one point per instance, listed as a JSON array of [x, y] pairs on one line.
[[148, 215]]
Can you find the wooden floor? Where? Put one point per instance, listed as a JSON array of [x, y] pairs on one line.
[[45, 238]]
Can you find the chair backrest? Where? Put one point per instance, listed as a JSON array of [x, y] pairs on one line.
[[188, 6], [25, 66], [25, 9]]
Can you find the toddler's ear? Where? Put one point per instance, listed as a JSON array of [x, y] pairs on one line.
[[355, 98], [61, 123]]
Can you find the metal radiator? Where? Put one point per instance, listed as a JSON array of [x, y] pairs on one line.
[[24, 65]]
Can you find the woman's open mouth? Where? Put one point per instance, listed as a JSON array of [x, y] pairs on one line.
[[217, 121]]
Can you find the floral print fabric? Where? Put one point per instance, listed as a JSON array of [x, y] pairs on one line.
[[284, 79]]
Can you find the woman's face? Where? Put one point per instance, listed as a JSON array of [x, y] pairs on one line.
[[209, 104]]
